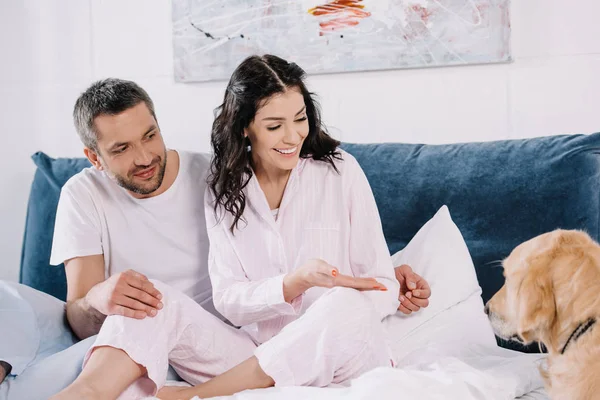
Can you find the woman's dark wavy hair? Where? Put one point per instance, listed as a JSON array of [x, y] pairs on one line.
[[255, 80]]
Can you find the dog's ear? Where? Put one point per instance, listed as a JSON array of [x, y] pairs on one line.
[[536, 303], [537, 310]]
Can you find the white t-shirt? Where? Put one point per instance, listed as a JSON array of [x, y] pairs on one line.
[[163, 237]]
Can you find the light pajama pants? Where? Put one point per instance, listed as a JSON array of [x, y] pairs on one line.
[[339, 337]]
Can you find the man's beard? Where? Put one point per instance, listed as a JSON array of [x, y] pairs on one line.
[[129, 184]]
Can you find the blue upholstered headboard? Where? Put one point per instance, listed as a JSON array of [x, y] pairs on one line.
[[499, 194]]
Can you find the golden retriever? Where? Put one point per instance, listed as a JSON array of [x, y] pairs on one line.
[[552, 295]]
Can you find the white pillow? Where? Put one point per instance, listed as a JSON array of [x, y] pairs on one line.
[[439, 253]]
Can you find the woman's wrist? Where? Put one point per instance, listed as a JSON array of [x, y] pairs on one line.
[[292, 287]]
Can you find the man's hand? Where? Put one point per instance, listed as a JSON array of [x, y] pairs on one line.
[[91, 297], [128, 293], [414, 290]]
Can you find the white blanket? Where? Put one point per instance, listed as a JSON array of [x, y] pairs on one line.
[[449, 357], [490, 377]]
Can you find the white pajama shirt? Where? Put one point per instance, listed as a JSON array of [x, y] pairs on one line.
[[324, 336], [323, 215]]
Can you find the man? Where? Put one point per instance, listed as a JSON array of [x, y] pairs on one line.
[[136, 214]]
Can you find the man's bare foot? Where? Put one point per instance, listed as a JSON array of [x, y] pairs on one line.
[[78, 391], [5, 369]]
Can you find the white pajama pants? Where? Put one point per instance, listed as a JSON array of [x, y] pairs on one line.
[[338, 338]]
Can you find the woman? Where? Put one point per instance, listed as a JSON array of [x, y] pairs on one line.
[[297, 259], [289, 217]]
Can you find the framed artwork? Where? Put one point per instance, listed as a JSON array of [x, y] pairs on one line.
[[211, 37]]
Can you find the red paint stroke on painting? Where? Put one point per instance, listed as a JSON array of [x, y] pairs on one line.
[[418, 18], [423, 13], [340, 14]]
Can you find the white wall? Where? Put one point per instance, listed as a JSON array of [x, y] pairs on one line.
[[52, 50]]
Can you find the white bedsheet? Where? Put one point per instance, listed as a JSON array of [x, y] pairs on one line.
[[442, 359], [487, 377]]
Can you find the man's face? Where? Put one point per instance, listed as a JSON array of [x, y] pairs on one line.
[[131, 150]]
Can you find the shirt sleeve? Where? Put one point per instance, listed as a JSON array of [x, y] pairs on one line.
[[77, 229], [237, 298], [372, 260]]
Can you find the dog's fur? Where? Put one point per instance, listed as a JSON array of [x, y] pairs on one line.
[[553, 285]]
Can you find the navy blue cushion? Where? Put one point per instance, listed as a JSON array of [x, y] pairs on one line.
[[50, 176]]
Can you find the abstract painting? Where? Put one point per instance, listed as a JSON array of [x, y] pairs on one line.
[[211, 37]]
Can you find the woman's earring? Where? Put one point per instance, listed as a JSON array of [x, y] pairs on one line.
[[248, 146]]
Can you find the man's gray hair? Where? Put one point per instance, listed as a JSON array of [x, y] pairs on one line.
[[106, 97]]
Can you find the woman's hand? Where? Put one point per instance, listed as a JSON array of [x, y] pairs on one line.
[[414, 290], [317, 272]]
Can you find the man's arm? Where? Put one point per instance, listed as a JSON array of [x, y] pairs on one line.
[[83, 273], [90, 298]]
